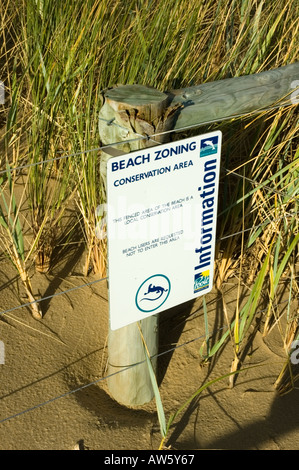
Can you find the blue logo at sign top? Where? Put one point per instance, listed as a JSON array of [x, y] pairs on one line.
[[152, 293], [209, 146]]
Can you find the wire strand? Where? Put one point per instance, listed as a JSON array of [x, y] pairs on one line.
[[256, 183], [27, 304], [140, 137], [257, 226], [100, 379], [103, 147], [82, 387]]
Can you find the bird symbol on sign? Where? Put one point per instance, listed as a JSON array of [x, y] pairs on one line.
[[210, 144]]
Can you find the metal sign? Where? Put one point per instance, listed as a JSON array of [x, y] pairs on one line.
[[161, 225]]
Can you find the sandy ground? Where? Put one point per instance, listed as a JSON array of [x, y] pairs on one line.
[[67, 349]]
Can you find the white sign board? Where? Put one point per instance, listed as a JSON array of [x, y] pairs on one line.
[[161, 223]]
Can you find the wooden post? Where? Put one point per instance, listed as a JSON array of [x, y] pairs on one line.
[[235, 97], [132, 110], [129, 111]]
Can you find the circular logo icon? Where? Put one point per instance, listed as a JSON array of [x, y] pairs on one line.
[[152, 293]]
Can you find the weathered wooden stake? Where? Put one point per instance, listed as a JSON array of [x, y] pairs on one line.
[[129, 111]]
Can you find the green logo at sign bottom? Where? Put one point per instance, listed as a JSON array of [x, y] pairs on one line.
[[152, 293]]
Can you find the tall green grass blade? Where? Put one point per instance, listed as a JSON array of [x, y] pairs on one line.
[[284, 261], [159, 405], [200, 390], [248, 311], [205, 311], [160, 409], [284, 171], [10, 219], [276, 254]]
